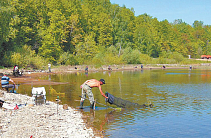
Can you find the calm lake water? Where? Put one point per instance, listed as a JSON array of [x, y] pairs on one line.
[[181, 100]]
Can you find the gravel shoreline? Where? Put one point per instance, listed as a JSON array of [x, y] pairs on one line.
[[40, 121]]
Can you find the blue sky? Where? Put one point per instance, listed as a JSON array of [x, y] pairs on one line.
[[187, 10]]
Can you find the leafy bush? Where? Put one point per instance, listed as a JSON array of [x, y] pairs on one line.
[[162, 60], [131, 56], [98, 60], [176, 56], [25, 57], [145, 59], [38, 62], [111, 56], [16, 58], [111, 59], [67, 59]]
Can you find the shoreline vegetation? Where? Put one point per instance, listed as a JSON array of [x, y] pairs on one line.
[[43, 120]]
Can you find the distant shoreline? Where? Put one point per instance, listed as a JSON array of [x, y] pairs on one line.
[[29, 76], [92, 68]]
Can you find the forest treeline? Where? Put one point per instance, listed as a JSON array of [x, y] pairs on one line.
[[74, 32]]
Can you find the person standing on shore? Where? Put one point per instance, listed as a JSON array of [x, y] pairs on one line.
[[86, 69], [5, 83], [49, 67], [87, 89], [109, 67]]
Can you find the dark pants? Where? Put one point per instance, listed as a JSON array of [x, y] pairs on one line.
[[9, 86]]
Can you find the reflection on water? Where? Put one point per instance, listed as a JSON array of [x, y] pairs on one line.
[[181, 100]]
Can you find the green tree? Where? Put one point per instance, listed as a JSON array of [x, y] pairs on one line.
[[131, 56], [146, 35], [123, 25], [73, 33], [5, 44], [86, 50], [26, 57], [104, 30], [52, 36]]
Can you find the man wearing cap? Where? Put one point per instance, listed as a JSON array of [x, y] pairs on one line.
[[87, 89], [5, 83]]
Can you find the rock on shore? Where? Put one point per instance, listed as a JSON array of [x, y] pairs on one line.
[[41, 121]]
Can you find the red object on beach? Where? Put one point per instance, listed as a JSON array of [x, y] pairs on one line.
[[31, 136], [205, 56], [16, 107]]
